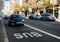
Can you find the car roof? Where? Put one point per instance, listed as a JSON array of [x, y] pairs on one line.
[[14, 15]]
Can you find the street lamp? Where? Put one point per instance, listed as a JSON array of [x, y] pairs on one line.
[[59, 12], [53, 10]]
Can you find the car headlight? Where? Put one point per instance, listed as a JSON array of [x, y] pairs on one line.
[[51, 17], [22, 20]]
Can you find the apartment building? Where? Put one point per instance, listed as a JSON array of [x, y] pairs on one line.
[[58, 1]]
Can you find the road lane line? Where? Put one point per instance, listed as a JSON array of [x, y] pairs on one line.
[[52, 35]]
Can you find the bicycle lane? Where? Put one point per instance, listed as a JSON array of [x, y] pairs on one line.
[[26, 34]]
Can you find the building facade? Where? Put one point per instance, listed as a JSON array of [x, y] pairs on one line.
[[58, 1]]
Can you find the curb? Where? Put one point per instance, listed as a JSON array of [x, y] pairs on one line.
[[26, 17], [5, 38], [57, 20]]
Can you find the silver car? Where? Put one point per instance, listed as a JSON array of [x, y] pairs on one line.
[[47, 17]]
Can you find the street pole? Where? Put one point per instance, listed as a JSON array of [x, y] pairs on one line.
[[59, 13], [53, 11]]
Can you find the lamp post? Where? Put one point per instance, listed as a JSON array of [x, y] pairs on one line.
[[59, 12], [53, 11]]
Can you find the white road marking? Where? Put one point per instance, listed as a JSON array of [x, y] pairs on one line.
[[27, 35], [52, 35]]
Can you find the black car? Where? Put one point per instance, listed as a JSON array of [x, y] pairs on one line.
[[15, 20], [47, 17]]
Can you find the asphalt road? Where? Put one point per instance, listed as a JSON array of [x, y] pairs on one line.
[[34, 31]]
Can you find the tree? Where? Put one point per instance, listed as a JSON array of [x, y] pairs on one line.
[[15, 7], [46, 4], [25, 6]]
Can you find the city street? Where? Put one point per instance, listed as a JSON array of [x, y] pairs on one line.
[[34, 31]]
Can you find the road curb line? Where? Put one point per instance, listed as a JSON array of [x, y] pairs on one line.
[[4, 32]]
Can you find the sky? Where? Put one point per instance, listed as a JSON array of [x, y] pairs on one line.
[[6, 4]]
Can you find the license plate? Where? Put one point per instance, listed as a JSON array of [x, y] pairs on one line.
[[18, 22]]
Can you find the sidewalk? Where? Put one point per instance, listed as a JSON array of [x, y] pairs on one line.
[[1, 32], [57, 20], [3, 36]]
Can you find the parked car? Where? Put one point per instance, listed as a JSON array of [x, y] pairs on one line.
[[15, 20], [47, 17], [36, 17]]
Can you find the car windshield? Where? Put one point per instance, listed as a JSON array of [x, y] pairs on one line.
[[16, 16], [46, 15]]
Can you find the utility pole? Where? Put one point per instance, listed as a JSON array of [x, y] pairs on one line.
[[53, 11], [59, 12]]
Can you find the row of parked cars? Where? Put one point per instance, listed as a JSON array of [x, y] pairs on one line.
[[46, 17], [16, 19]]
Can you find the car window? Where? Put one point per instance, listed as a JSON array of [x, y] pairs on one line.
[[15, 16], [46, 15]]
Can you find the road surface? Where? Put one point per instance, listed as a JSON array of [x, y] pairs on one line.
[[34, 31]]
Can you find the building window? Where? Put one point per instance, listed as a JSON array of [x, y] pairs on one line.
[[26, 1]]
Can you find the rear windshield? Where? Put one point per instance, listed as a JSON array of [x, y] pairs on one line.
[[16, 16]]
